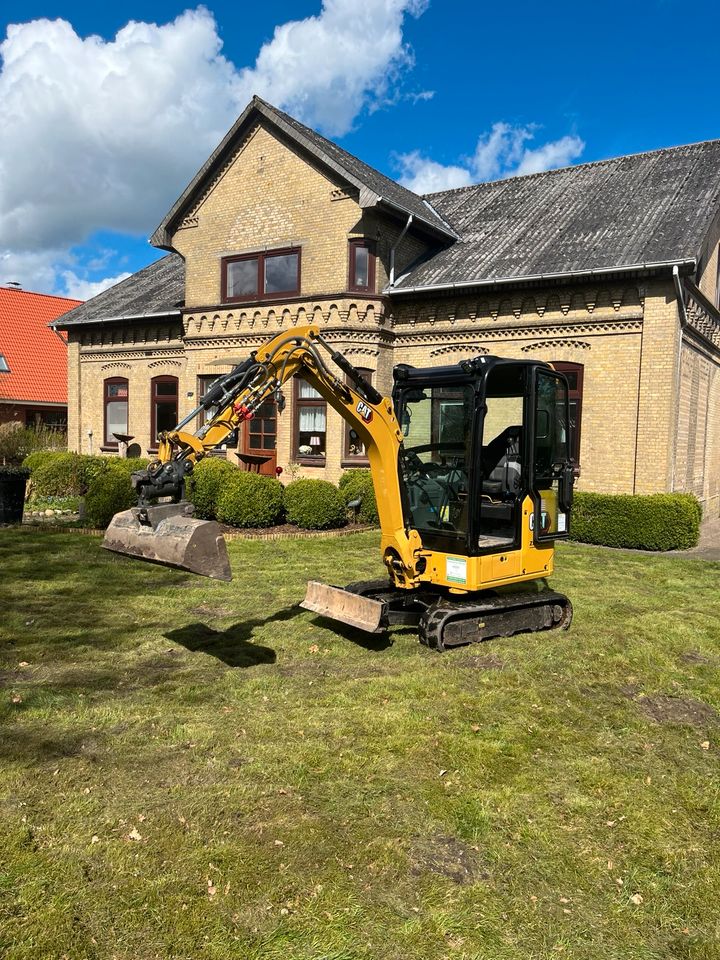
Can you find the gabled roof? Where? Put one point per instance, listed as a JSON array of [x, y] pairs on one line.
[[648, 208], [374, 188], [156, 290], [36, 356]]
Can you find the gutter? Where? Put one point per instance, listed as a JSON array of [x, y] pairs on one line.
[[395, 246], [132, 316], [446, 234], [686, 266]]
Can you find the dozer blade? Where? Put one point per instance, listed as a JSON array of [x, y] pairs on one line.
[[338, 604], [167, 534]]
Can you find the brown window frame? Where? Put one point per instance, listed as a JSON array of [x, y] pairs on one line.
[[355, 459], [306, 459], [163, 378], [368, 245], [574, 394], [261, 256], [109, 381]]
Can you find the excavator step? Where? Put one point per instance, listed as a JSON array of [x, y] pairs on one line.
[[339, 604], [167, 534]]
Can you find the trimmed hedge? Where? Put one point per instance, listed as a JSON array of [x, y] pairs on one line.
[[111, 490], [659, 521], [315, 505], [357, 485], [61, 474], [205, 484], [249, 500]]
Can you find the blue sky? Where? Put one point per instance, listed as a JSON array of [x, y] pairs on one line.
[[437, 94]]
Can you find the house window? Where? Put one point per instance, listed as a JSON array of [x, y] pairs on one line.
[[354, 447], [575, 374], [164, 406], [115, 399], [310, 424], [362, 266], [259, 276], [4, 368]]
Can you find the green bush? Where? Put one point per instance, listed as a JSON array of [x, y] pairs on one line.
[[357, 485], [660, 521], [64, 474], [111, 489], [18, 442], [206, 483], [315, 505], [249, 500]]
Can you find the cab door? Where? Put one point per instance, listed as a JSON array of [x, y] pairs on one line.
[[551, 467]]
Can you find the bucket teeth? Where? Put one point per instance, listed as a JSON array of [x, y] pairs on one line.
[[170, 538], [351, 608]]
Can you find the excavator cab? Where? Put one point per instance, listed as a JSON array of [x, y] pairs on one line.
[[480, 439]]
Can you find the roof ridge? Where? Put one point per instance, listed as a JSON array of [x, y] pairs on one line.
[[37, 293], [573, 166]]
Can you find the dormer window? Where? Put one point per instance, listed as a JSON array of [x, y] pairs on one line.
[[261, 276], [4, 368], [362, 266]]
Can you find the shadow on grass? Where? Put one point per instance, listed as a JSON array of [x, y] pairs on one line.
[[233, 646], [368, 641]]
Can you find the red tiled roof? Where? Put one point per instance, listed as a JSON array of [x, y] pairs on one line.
[[35, 354]]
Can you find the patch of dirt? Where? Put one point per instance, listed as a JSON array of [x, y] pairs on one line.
[[694, 656], [212, 611], [663, 709], [448, 857], [488, 661]]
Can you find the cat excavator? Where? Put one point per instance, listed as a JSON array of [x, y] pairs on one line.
[[472, 474]]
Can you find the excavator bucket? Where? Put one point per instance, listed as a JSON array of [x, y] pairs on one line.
[[351, 608], [169, 535]]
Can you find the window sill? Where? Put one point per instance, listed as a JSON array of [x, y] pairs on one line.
[[109, 448], [350, 462], [311, 462]]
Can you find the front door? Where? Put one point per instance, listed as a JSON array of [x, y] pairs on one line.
[[260, 436]]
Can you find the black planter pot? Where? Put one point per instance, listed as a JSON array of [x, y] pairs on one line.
[[12, 493]]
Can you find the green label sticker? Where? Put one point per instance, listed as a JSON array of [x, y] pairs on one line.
[[456, 569]]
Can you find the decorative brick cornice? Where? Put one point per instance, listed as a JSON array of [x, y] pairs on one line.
[[703, 317], [117, 365], [519, 332], [165, 362], [463, 347], [541, 344], [321, 311], [131, 353]]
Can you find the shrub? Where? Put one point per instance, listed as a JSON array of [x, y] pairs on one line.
[[660, 521], [111, 490], [315, 505], [249, 500], [17, 441], [357, 485], [64, 474], [206, 483]]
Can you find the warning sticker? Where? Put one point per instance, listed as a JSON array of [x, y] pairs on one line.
[[562, 522], [456, 569]]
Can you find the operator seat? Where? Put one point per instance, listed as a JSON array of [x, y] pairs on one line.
[[501, 463]]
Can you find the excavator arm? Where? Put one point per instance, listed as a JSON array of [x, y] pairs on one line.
[[167, 533]]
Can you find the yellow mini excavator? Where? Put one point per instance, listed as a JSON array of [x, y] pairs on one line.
[[471, 471]]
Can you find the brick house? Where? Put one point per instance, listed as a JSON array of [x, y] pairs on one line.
[[609, 270], [33, 358]]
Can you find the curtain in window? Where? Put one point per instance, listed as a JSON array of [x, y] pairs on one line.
[[312, 419]]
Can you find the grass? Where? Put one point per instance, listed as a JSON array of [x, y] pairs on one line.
[[197, 769]]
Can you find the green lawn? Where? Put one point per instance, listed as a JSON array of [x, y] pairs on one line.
[[192, 769]]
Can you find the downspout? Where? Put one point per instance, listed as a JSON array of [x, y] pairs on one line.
[[394, 248], [682, 316]]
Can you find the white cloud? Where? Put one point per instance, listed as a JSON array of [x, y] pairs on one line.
[[503, 152], [80, 289], [104, 134]]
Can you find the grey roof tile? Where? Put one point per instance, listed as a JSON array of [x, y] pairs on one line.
[[648, 207], [156, 289]]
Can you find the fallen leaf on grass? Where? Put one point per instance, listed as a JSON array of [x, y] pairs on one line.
[[94, 838], [705, 745], [17, 698], [313, 648], [23, 663], [212, 889], [134, 834], [637, 899]]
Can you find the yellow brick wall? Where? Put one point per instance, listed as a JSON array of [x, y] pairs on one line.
[[697, 452]]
